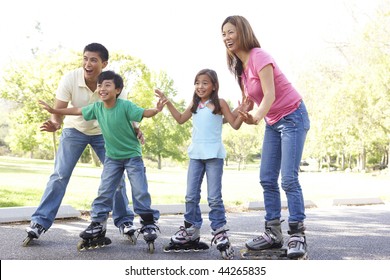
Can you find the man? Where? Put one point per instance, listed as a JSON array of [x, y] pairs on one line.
[[78, 87]]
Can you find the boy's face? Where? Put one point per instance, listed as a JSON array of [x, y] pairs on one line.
[[93, 65], [107, 90]]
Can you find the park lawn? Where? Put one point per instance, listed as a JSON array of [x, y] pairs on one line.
[[24, 180]]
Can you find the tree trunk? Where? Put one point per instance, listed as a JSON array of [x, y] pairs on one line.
[[159, 162], [54, 144]]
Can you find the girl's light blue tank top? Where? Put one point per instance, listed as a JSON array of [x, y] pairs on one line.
[[206, 135]]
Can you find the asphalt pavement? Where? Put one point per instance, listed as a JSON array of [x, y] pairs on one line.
[[333, 233]]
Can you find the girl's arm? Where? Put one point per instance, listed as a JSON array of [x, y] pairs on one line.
[[179, 117], [266, 76], [234, 120], [62, 111]]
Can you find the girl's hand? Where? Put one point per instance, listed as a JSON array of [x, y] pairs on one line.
[[159, 94]]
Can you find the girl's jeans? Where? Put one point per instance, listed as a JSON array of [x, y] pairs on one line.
[[196, 170], [71, 146], [282, 153]]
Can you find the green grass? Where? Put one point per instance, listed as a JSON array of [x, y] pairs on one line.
[[23, 182]]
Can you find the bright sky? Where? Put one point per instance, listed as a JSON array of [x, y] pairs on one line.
[[181, 37]]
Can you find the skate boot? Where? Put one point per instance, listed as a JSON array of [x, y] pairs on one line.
[[187, 238], [221, 239], [94, 236], [271, 238], [33, 231], [128, 230], [149, 230], [297, 247]]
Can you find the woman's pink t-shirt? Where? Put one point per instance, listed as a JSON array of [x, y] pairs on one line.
[[287, 99]]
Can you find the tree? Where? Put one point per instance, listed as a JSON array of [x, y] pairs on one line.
[[242, 144]]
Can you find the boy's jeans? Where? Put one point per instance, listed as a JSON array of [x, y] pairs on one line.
[[71, 146], [282, 153], [111, 176]]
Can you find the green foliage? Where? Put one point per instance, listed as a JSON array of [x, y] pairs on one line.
[[349, 100], [241, 145]]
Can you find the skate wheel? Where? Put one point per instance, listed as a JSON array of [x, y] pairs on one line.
[[80, 246], [151, 247], [27, 241], [133, 239]]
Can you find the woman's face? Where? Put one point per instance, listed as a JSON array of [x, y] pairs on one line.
[[230, 37]]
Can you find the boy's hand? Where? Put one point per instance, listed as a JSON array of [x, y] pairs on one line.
[[161, 103]]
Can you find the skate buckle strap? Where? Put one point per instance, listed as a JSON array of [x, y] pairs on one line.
[[295, 239], [220, 235], [183, 231]]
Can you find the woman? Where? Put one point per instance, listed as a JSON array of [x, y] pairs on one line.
[[287, 123]]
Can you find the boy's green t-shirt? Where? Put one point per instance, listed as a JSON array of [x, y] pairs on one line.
[[116, 124]]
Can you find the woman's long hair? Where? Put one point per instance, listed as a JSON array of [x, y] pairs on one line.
[[246, 41]]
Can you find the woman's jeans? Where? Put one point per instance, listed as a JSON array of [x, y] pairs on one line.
[[71, 146], [282, 153], [111, 176], [196, 170]]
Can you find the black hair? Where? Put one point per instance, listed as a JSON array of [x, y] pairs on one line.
[[214, 95], [111, 75], [98, 48]]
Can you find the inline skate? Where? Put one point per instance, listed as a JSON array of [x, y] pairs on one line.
[[148, 230], [128, 230], [94, 236], [187, 238], [297, 247], [33, 232], [221, 239]]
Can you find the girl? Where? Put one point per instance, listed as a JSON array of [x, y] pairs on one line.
[[207, 155]]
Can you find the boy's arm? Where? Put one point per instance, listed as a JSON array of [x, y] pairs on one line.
[[179, 117], [60, 111], [148, 113]]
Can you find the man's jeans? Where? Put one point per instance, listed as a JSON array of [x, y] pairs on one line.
[[196, 170], [282, 153], [71, 146]]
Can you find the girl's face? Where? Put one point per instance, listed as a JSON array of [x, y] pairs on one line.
[[107, 90], [230, 37], [204, 87]]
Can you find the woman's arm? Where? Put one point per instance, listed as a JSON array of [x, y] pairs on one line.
[[266, 76]]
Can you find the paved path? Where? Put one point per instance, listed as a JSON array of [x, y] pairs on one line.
[[333, 233]]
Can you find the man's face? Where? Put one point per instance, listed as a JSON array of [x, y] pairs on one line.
[[93, 65]]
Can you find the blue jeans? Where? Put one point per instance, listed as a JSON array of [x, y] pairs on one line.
[[282, 154], [196, 170], [71, 146], [111, 176]]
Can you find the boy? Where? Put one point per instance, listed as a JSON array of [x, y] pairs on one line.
[[123, 152]]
